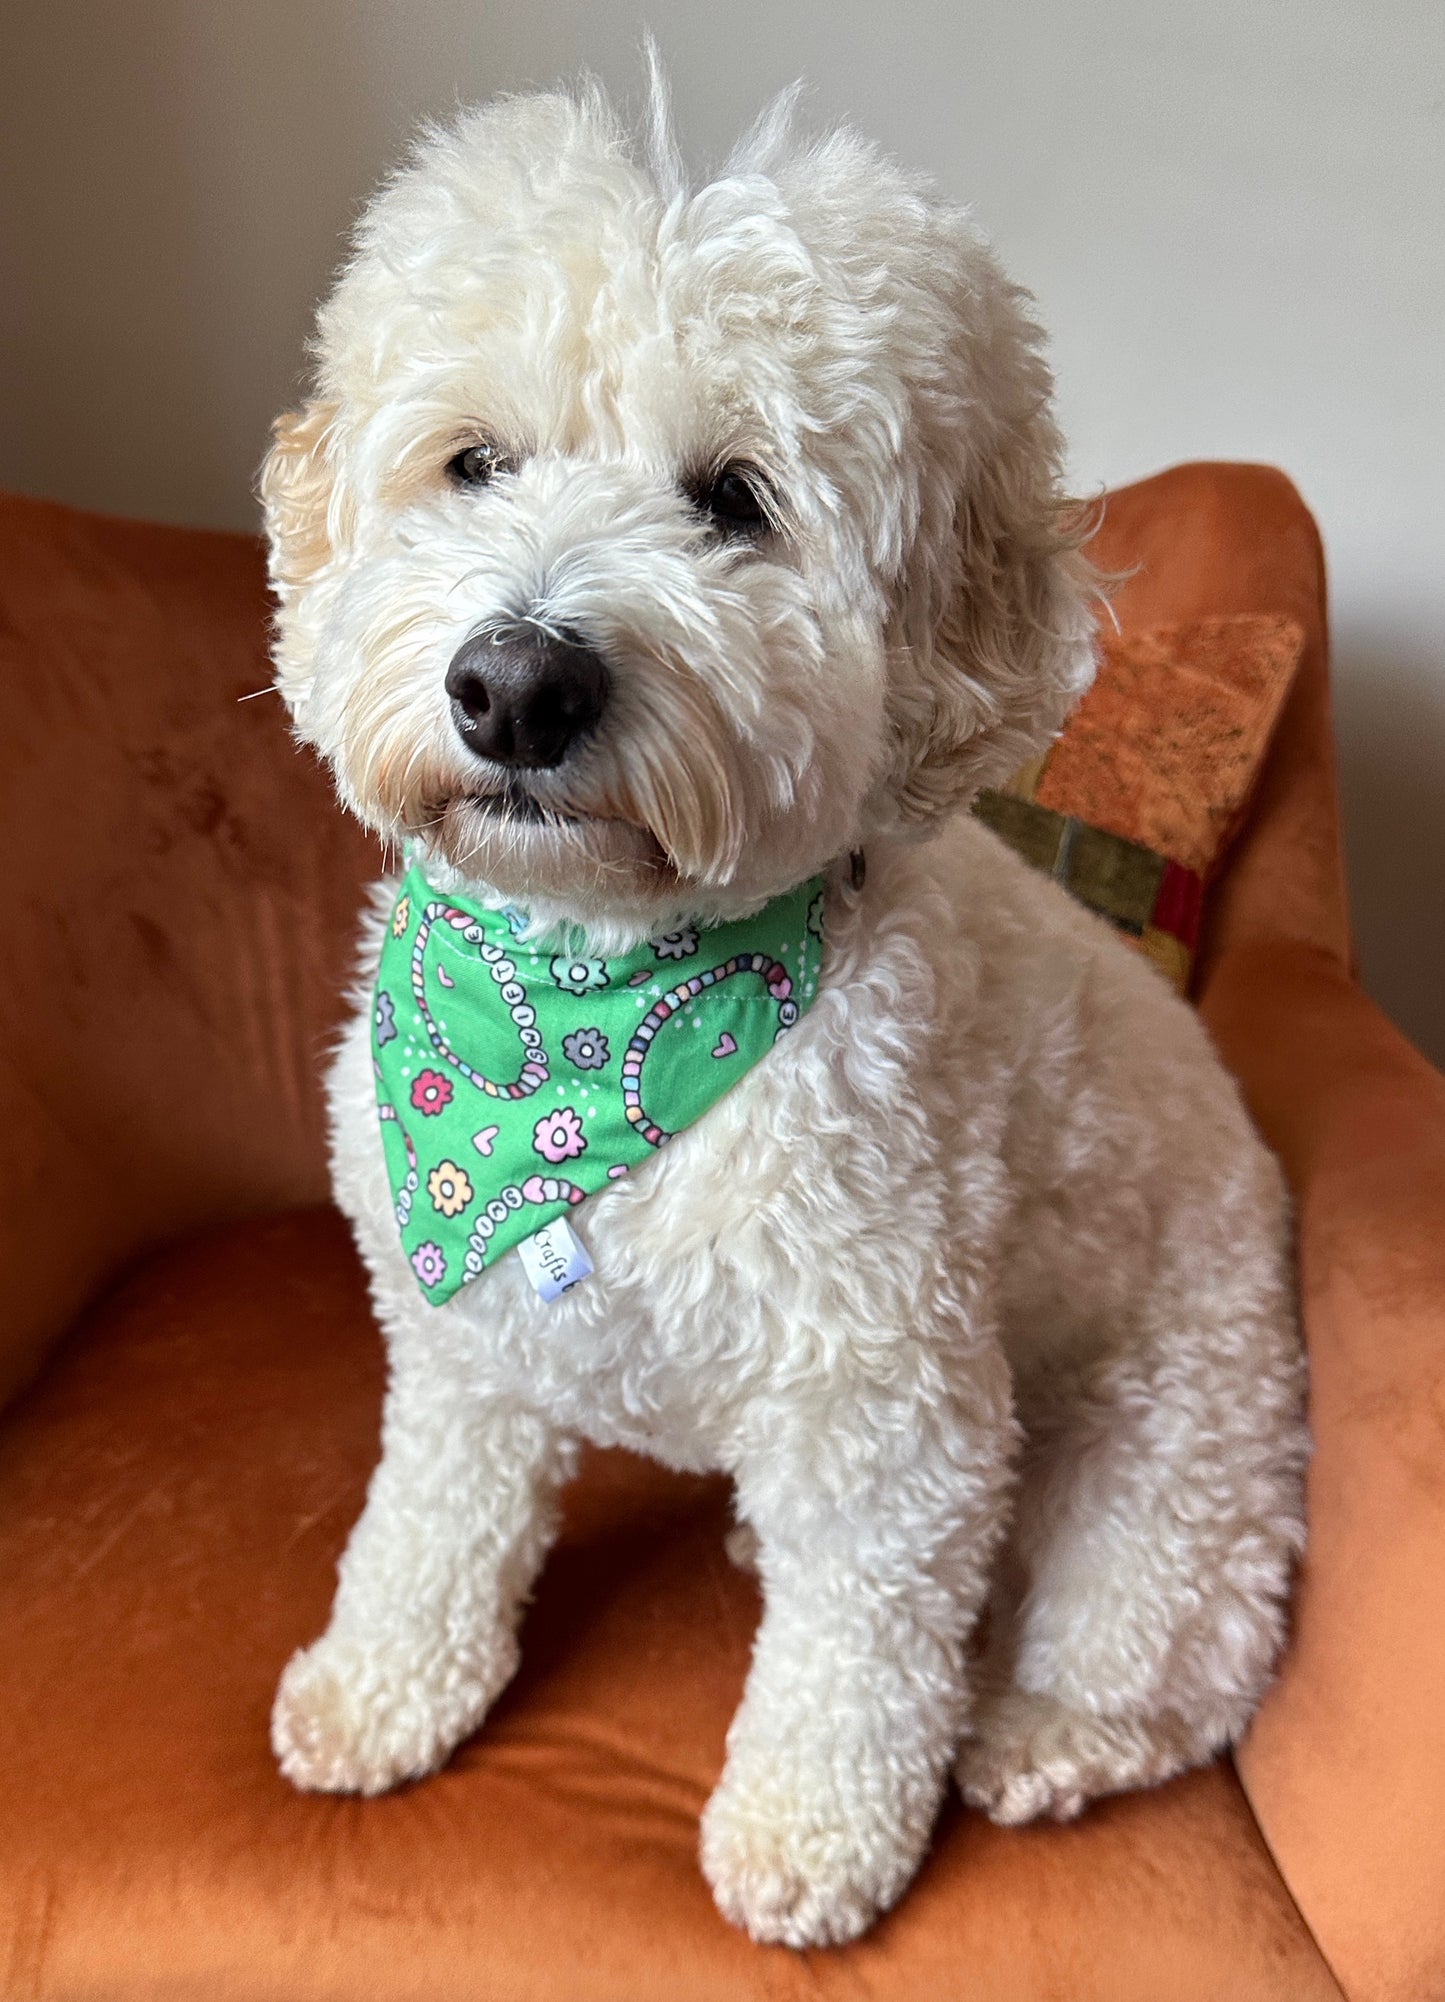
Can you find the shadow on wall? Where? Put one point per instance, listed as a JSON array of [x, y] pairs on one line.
[[1390, 726]]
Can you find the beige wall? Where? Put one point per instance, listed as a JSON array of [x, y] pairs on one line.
[[1233, 213]]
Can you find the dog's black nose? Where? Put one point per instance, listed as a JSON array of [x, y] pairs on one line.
[[525, 696]]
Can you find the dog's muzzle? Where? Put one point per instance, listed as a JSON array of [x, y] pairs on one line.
[[523, 696]]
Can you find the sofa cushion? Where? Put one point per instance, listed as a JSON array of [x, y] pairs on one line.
[[1134, 808], [1209, 541], [174, 1493]]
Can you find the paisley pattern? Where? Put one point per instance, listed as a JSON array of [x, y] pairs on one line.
[[550, 1075]]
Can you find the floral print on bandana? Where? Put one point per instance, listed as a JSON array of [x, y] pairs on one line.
[[432, 1093], [558, 1135], [515, 1082], [449, 1188], [429, 1263], [579, 976], [587, 1049]]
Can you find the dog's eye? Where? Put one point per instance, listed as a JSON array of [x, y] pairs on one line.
[[736, 500], [476, 465]]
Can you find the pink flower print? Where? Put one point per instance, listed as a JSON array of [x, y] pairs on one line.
[[431, 1093], [558, 1135], [429, 1263]]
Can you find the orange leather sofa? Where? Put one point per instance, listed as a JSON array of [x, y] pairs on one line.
[[195, 1384]]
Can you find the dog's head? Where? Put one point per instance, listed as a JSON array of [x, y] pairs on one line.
[[642, 550]]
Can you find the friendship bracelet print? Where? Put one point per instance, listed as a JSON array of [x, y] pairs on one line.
[[776, 979]]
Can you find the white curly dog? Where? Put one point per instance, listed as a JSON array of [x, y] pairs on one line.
[[978, 1286]]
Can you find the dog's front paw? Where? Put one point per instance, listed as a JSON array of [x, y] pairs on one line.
[[1029, 1755], [349, 1719], [798, 1868]]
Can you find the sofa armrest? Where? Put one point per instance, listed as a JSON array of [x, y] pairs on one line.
[[179, 925], [1345, 1766]]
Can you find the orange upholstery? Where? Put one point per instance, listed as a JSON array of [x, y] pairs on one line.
[[174, 1493], [176, 1484], [183, 906]]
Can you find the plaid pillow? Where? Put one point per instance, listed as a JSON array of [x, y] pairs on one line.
[[1134, 806]]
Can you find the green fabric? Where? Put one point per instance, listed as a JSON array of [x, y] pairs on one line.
[[514, 1083]]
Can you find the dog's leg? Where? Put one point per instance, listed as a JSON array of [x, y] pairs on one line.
[[874, 1543], [1157, 1522], [422, 1636]]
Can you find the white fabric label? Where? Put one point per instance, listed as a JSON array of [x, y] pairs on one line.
[[555, 1258]]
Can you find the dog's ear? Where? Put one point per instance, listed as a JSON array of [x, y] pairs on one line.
[[993, 626], [300, 497], [297, 479], [990, 627]]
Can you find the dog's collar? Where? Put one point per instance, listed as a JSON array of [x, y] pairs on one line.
[[513, 1083]]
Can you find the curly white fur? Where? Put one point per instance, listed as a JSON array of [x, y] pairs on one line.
[[979, 1285]]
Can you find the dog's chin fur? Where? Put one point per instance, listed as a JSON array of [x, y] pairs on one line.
[[524, 852], [978, 1284], [594, 875], [607, 878]]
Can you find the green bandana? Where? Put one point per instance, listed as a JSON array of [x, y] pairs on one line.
[[514, 1083]]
